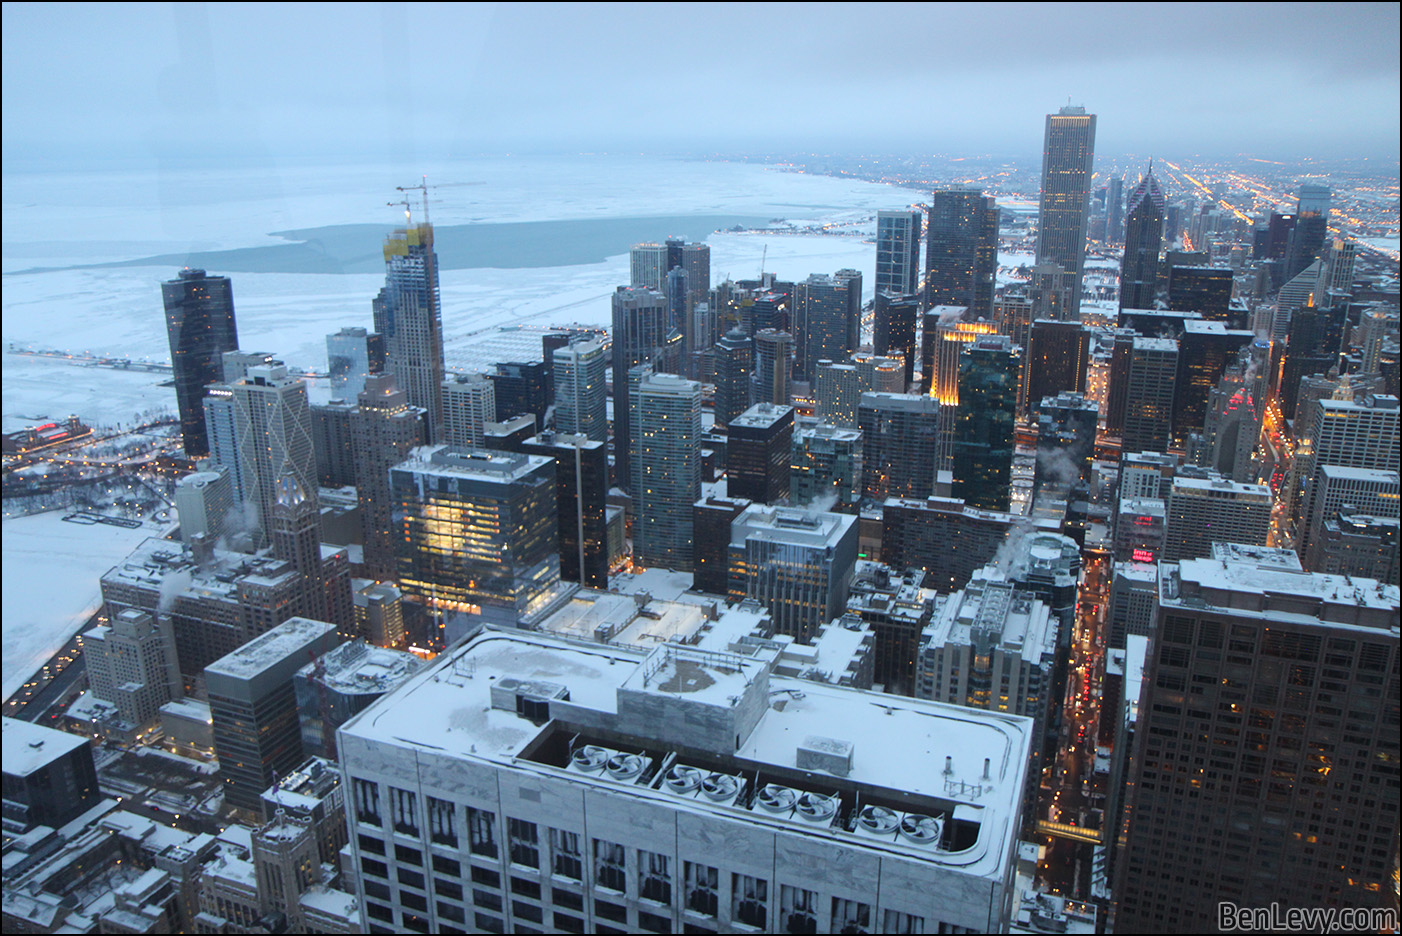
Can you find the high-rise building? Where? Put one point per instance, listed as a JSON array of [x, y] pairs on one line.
[[837, 392], [1232, 426], [982, 444], [1311, 227], [1205, 351], [1358, 545], [663, 804], [1068, 152], [386, 429], [828, 314], [961, 251], [665, 411], [1366, 491], [758, 453], [898, 252], [1312, 347], [1120, 354], [352, 354], [640, 332], [580, 395], [1148, 406], [469, 403], [735, 362], [1058, 356], [1139, 269], [1114, 210], [49, 775], [1224, 826], [295, 531], [941, 535], [1203, 511], [203, 500], [332, 442], [408, 313], [900, 440], [581, 491], [521, 387], [341, 682], [797, 563], [648, 266], [947, 332], [1066, 427], [497, 510], [893, 333], [711, 519], [826, 465], [773, 366], [201, 328], [379, 613], [257, 733], [1205, 290], [131, 663], [273, 436]]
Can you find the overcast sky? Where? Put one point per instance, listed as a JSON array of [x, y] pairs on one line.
[[159, 81]]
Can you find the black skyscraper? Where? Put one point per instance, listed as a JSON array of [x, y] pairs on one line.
[[961, 251], [1139, 271], [200, 325], [581, 486], [894, 330]]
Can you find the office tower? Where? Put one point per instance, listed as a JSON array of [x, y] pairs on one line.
[[900, 439], [770, 309], [49, 775], [898, 252], [1114, 210], [829, 315], [1066, 427], [897, 607], [1204, 352], [796, 563], [580, 395], [942, 536], [341, 682], [1312, 347], [132, 664], [1356, 544], [1202, 511], [1133, 588], [961, 251], [1205, 290], [711, 519], [992, 646], [1139, 525], [1146, 474], [469, 403], [982, 444], [581, 488], [510, 434], [947, 333], [675, 288], [1149, 392], [379, 613], [640, 331], [219, 420], [1374, 329], [408, 313], [758, 452], [878, 374], [200, 327], [386, 429], [1139, 269], [352, 354], [1367, 491], [894, 329], [550, 342], [313, 793], [837, 392], [498, 510], [1057, 357], [294, 528], [256, 730], [666, 414], [648, 266], [203, 500], [273, 436], [1306, 238], [1232, 426], [773, 366], [1068, 152], [826, 467], [734, 364], [332, 443], [1223, 826], [1050, 292], [521, 387], [617, 840], [695, 259], [1350, 433]]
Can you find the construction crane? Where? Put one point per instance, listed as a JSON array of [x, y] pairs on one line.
[[422, 187]]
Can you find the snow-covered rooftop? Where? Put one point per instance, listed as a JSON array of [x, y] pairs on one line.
[[29, 747], [263, 651]]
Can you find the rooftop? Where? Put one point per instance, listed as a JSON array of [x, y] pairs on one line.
[[790, 525], [290, 637], [761, 416], [478, 464], [1247, 588], [29, 747], [358, 668]]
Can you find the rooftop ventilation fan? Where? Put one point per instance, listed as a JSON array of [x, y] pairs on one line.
[[590, 759], [922, 830], [815, 807], [775, 799], [625, 766], [682, 780], [878, 820], [719, 786]]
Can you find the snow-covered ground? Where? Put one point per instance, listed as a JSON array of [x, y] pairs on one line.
[[51, 572]]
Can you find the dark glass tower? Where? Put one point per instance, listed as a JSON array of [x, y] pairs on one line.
[[758, 454], [897, 251], [983, 421], [894, 331], [1058, 354], [200, 325], [1068, 152], [581, 486], [961, 251], [735, 361], [640, 329], [408, 314], [1139, 270]]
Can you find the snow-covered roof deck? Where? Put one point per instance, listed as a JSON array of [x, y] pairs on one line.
[[28, 747]]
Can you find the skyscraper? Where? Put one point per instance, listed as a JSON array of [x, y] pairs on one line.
[[1204, 352], [757, 455], [826, 463], [469, 403], [1148, 414], [735, 362], [773, 366], [580, 395], [1139, 269], [797, 563], [384, 430], [829, 319], [1292, 803], [898, 251], [893, 331], [1114, 209], [1057, 358], [200, 326], [640, 330], [666, 414], [961, 251], [1068, 152], [352, 354], [900, 438], [408, 313], [983, 422], [1202, 511], [273, 437], [581, 488]]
